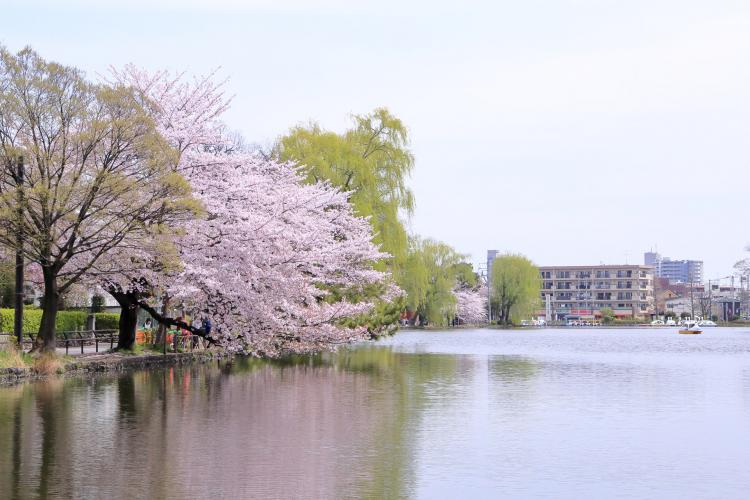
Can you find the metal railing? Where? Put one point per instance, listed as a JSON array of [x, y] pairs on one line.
[[75, 338]]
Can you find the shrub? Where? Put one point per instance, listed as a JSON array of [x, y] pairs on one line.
[[628, 321], [97, 303], [67, 321], [31, 320], [107, 321]]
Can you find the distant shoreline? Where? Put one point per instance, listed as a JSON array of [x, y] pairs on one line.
[[563, 327]]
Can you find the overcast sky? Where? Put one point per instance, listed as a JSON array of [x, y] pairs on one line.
[[572, 131]]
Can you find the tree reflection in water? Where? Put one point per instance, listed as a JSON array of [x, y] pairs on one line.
[[331, 425]]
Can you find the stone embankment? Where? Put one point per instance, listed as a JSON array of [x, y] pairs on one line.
[[110, 362]]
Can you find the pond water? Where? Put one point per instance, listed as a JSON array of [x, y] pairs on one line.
[[577, 413]]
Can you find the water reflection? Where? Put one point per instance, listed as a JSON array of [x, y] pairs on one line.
[[420, 415], [320, 427]]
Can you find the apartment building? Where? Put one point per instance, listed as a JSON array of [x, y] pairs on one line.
[[583, 291]]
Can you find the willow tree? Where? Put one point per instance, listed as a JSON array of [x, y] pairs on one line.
[[99, 176], [433, 271], [372, 161], [515, 288]]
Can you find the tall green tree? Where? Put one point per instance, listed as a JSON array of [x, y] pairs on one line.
[[465, 275], [515, 288], [372, 160], [432, 271], [98, 174]]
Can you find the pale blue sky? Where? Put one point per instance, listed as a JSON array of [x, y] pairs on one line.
[[573, 131]]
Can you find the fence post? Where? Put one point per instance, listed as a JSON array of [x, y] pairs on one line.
[[80, 336], [65, 336], [111, 341], [96, 341]]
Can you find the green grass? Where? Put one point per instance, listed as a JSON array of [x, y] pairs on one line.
[[11, 358]]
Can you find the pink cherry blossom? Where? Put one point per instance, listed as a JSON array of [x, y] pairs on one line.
[[264, 258], [471, 306]]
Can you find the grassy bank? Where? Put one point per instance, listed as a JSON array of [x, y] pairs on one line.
[[12, 358], [17, 368], [14, 361]]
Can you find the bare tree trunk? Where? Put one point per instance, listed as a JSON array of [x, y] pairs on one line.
[[128, 324], [45, 341], [128, 318], [506, 315]]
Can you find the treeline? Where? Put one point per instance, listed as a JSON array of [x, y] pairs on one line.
[[132, 185]]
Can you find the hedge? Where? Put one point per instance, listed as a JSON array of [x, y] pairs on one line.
[[66, 320], [107, 321]]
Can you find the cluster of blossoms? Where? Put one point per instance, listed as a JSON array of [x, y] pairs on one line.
[[471, 306], [269, 251]]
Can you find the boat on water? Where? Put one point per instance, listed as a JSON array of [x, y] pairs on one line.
[[694, 329]]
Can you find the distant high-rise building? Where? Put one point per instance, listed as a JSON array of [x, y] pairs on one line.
[[682, 271], [651, 258], [491, 254]]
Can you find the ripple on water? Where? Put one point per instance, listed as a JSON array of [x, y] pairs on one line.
[[588, 413]]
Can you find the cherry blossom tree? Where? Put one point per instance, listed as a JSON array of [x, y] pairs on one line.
[[471, 306], [268, 260]]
